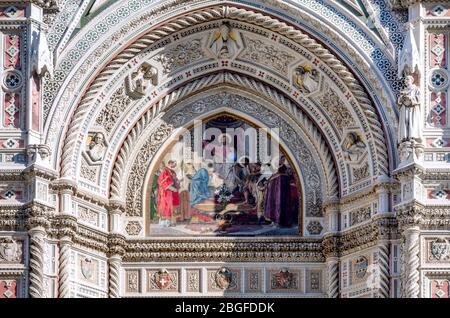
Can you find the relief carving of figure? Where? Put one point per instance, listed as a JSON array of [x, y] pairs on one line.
[[10, 251], [141, 80], [353, 146], [96, 149], [226, 42], [41, 58], [410, 119], [306, 79]]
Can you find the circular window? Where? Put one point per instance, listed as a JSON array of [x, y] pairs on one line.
[[12, 80], [438, 79]]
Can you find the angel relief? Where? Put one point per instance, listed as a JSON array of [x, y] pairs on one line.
[[229, 189], [226, 42]]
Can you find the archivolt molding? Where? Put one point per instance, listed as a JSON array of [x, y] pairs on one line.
[[91, 99], [214, 13]]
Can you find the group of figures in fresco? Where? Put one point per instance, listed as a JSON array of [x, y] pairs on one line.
[[224, 195]]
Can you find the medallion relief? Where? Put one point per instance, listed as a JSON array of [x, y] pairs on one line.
[[10, 250], [163, 280]]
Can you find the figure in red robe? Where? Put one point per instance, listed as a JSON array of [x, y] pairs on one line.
[[281, 199], [168, 198]]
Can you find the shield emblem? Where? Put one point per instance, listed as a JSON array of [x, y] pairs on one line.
[[439, 249], [162, 279], [87, 268], [223, 278], [361, 267], [284, 279]]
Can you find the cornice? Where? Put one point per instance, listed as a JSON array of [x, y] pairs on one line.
[[415, 213], [264, 250], [381, 227]]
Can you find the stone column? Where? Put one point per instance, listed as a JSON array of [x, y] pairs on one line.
[[330, 246], [65, 245], [384, 268], [333, 277], [66, 224], [114, 276], [116, 243], [411, 259], [36, 271], [383, 188]]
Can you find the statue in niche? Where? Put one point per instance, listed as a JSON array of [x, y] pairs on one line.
[[409, 128], [96, 148], [306, 78], [41, 58], [353, 147], [226, 42], [139, 81]]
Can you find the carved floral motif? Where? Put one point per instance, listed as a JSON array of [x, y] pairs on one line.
[[181, 55], [264, 54], [336, 108]]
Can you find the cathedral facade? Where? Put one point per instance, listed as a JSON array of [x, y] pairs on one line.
[[106, 106]]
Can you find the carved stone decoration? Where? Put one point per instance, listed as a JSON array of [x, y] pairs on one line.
[[141, 80], [333, 278], [41, 58], [88, 269], [88, 172], [384, 269], [268, 55], [10, 250], [36, 262], [225, 42], [361, 173], [64, 267], [409, 58], [336, 109], [314, 281], [133, 228], [88, 215], [411, 275], [361, 265], [12, 81], [132, 281], [193, 281], [284, 280], [360, 215], [439, 250], [96, 147], [111, 112], [223, 278], [294, 250], [114, 272], [163, 280], [353, 147], [314, 228], [306, 78], [254, 281], [180, 56], [410, 121]]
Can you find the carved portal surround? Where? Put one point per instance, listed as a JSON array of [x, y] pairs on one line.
[[257, 83]]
